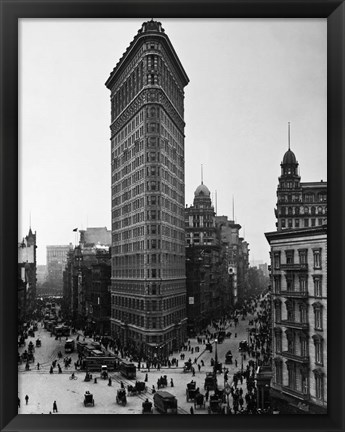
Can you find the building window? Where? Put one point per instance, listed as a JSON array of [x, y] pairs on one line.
[[318, 286], [319, 385], [303, 284], [317, 258], [296, 223], [305, 384], [302, 256], [289, 256], [303, 313], [318, 343], [290, 223], [318, 316], [292, 375], [304, 347], [306, 223], [277, 260]]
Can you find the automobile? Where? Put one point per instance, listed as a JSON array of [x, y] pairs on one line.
[[104, 371]]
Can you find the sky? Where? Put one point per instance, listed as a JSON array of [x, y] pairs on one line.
[[248, 79]]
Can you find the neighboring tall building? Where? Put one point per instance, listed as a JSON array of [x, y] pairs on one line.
[[27, 265], [87, 280], [56, 262], [235, 256], [147, 166], [299, 294], [299, 205], [205, 299]]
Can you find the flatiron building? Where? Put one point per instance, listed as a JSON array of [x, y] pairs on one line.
[[148, 289]]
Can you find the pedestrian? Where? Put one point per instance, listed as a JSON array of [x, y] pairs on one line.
[[18, 402], [146, 378], [193, 371], [171, 383], [153, 389], [55, 407], [235, 362], [26, 399], [191, 410], [206, 395], [109, 383], [122, 385], [38, 366], [235, 335], [199, 366]]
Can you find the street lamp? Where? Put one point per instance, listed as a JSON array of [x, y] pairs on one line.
[[215, 357]]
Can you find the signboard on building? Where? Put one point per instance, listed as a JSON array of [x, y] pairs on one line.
[[191, 300]]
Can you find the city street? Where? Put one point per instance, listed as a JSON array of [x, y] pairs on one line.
[[69, 394]]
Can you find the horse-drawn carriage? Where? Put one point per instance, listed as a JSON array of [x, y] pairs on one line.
[[162, 382], [138, 388], [187, 366], [147, 407], [38, 342], [199, 401], [88, 399], [121, 397], [191, 391], [215, 406], [228, 358], [31, 347], [210, 382]]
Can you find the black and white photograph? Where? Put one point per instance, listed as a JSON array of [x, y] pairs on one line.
[[172, 237]]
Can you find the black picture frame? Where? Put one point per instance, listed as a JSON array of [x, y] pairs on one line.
[[11, 11]]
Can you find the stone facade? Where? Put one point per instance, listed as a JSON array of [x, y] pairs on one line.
[[299, 293], [27, 279], [205, 298], [56, 262], [148, 291], [299, 205]]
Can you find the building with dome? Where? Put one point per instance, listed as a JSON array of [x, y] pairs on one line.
[[299, 293], [204, 290], [148, 289], [299, 205], [216, 261]]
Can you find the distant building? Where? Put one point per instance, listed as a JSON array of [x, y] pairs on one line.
[[56, 262], [299, 293], [264, 269], [235, 255], [216, 261], [93, 236], [26, 276], [205, 297], [86, 282], [41, 274]]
